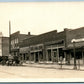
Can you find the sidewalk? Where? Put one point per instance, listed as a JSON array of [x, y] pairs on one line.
[[53, 66]]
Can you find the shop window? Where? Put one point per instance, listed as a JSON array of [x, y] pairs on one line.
[[31, 48], [40, 47], [55, 53], [36, 48]]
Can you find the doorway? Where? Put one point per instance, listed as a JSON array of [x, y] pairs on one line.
[[36, 57]]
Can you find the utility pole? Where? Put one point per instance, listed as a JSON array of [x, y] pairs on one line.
[[74, 52], [9, 37], [75, 67]]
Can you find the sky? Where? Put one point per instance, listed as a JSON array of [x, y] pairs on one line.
[[40, 17]]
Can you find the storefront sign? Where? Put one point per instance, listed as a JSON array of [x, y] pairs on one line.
[[77, 40]]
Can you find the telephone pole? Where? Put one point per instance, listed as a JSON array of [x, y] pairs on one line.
[[9, 37], [75, 67], [74, 52]]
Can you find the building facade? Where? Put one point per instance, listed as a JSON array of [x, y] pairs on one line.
[[16, 38], [47, 47], [4, 46], [76, 34]]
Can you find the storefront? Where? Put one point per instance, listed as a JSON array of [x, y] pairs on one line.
[[79, 52], [36, 53], [24, 54], [54, 50]]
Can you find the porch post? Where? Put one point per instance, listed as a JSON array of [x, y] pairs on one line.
[[57, 52], [34, 57], [82, 56], [51, 53], [30, 58], [70, 57], [75, 67], [38, 58], [46, 55], [23, 57], [65, 55]]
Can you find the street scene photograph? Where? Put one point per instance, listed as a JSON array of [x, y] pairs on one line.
[[42, 40]]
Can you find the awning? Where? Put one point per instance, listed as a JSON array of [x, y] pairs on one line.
[[56, 42], [54, 47], [14, 50], [36, 51], [24, 50], [77, 45]]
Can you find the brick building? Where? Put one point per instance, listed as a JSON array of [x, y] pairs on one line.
[[16, 38], [44, 47], [4, 45], [79, 46], [50, 46]]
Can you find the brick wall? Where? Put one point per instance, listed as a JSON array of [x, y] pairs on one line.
[[42, 38], [5, 46], [74, 34]]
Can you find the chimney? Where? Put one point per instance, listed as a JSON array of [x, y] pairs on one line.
[[65, 29], [56, 31], [29, 33]]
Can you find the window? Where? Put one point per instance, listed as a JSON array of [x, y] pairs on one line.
[[16, 40], [40, 47]]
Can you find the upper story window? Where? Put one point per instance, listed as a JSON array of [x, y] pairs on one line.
[[16, 40], [12, 42], [40, 47]]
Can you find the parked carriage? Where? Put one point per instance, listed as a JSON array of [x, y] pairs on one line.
[[11, 61]]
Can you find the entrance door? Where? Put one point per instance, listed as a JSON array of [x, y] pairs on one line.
[[55, 56], [61, 53], [49, 55], [36, 57]]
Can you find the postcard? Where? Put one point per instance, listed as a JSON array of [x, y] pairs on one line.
[[42, 41]]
